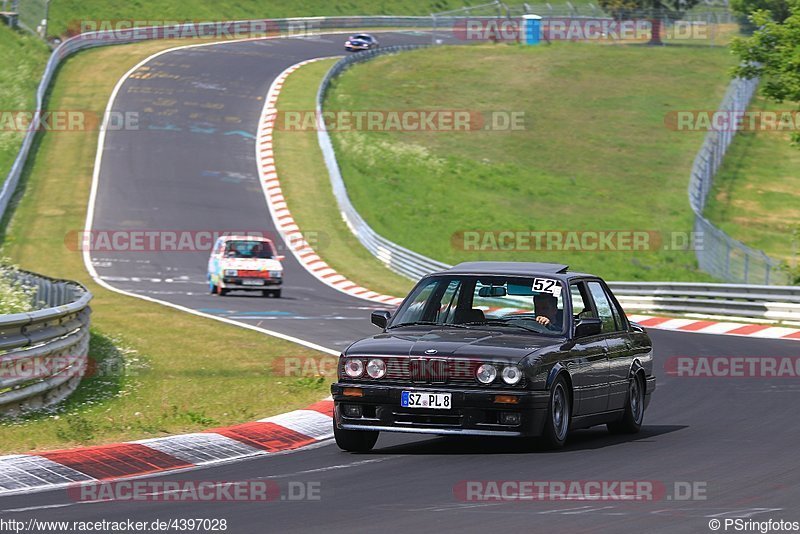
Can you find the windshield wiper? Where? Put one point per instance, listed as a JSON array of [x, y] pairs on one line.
[[504, 322], [427, 323]]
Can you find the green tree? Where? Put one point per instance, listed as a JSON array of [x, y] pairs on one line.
[[653, 10], [772, 53], [779, 10]]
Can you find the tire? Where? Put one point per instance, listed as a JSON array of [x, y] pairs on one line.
[[354, 440], [559, 412], [221, 291], [276, 293], [631, 421]]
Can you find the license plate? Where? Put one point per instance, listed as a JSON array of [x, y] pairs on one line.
[[436, 401], [253, 282]]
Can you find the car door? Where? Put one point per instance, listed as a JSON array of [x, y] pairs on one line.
[[618, 343], [620, 361], [213, 260], [588, 364]]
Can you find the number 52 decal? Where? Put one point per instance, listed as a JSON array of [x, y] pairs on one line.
[[546, 285]]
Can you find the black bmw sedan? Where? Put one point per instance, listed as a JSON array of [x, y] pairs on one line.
[[502, 349]]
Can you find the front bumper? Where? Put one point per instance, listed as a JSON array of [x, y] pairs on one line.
[[473, 411], [238, 282]]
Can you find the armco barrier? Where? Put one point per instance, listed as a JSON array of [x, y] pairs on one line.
[[395, 257], [774, 303], [44, 353]]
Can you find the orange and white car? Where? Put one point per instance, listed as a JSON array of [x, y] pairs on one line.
[[245, 263]]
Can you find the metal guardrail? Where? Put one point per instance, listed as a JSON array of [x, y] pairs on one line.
[[44, 353], [395, 257], [771, 303], [774, 303]]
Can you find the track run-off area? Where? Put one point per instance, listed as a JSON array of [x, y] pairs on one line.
[[191, 166]]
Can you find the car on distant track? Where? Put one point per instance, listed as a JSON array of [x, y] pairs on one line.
[[496, 349], [360, 41], [246, 263]]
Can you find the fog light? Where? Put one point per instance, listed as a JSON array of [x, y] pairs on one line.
[[352, 410], [510, 418]]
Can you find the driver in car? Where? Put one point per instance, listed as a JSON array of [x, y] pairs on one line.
[[546, 308]]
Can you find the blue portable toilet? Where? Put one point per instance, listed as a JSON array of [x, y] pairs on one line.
[[533, 28]]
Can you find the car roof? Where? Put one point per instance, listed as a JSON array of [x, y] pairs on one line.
[[554, 270], [362, 36], [245, 238]]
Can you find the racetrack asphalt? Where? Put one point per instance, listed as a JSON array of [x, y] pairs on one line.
[[192, 167]]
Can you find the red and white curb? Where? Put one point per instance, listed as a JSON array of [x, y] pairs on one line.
[[282, 217], [25, 473], [699, 326]]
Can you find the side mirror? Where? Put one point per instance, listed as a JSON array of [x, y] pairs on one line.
[[588, 327], [380, 318]]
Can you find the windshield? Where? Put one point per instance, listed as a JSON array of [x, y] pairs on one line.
[[533, 304], [248, 249]]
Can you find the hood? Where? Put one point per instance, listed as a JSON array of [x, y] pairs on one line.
[[251, 264], [452, 342]]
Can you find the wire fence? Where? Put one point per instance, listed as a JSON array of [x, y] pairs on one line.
[[721, 255], [33, 14]]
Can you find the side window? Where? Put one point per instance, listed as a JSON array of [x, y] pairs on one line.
[[580, 305], [619, 315], [603, 307]]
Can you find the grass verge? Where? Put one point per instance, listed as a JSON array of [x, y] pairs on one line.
[[308, 193], [170, 372], [756, 194], [24, 57], [594, 154]]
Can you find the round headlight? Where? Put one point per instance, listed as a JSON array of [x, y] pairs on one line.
[[376, 368], [511, 375], [231, 272], [275, 274], [354, 368], [486, 373]]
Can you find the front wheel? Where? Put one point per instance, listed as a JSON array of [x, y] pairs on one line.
[[556, 426], [355, 440], [631, 421]]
